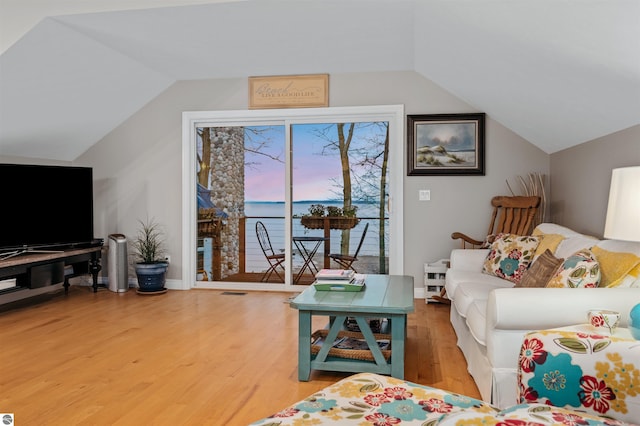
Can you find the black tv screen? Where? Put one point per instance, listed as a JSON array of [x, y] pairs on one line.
[[45, 206]]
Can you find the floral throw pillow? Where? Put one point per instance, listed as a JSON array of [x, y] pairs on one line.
[[510, 255], [581, 269]]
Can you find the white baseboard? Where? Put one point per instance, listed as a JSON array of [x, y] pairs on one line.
[[174, 284]]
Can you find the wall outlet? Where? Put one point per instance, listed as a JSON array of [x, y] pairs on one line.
[[167, 258], [424, 195]]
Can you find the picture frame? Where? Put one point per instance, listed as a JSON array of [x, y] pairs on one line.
[[445, 144]]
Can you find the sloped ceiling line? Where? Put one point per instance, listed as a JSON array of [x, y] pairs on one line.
[[556, 72]]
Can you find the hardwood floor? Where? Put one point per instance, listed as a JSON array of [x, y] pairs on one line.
[[198, 357]]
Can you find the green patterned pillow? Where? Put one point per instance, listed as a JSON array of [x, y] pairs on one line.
[[510, 255], [581, 269]]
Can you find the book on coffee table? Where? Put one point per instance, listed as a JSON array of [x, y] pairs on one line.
[[357, 283], [335, 274]]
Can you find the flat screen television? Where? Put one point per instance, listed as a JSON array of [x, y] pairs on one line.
[[45, 207]]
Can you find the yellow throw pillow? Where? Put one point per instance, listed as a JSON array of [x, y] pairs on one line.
[[548, 242], [614, 266], [580, 270], [632, 279]]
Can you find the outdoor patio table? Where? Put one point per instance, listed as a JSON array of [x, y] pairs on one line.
[[307, 252]]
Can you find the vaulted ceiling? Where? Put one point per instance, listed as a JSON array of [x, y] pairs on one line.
[[556, 72]]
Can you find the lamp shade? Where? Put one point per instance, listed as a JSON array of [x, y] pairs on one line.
[[623, 212]]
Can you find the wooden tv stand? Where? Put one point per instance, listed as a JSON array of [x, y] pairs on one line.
[[38, 272]]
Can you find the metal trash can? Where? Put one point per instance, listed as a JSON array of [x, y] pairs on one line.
[[118, 268]]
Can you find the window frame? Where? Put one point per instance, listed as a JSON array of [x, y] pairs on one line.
[[191, 120]]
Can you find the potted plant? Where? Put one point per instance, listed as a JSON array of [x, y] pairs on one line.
[[334, 211], [350, 211], [343, 218], [151, 266], [316, 210]]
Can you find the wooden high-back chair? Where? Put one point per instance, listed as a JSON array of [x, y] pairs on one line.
[[511, 214]]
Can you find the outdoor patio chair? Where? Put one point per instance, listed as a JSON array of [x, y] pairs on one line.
[[346, 260], [274, 259]]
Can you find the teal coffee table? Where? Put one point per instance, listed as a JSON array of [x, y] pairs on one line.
[[384, 296]]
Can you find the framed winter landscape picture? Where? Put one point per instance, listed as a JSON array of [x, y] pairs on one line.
[[445, 144]]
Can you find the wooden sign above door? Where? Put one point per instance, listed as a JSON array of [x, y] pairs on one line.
[[289, 91]]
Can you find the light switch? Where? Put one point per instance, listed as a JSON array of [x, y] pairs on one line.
[[424, 195]]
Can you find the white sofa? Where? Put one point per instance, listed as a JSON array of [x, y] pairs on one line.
[[490, 317]]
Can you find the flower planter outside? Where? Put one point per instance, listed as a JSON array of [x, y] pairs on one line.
[[311, 222]]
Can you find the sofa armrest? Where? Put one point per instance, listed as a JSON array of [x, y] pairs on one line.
[[513, 312], [543, 308], [468, 259]]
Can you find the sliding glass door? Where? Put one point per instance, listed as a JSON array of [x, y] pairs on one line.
[[240, 173], [339, 197], [278, 195]]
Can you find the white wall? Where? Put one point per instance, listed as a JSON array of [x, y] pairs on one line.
[[9, 159], [581, 177], [137, 167]]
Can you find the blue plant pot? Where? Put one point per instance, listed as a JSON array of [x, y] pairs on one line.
[[151, 276], [634, 321]]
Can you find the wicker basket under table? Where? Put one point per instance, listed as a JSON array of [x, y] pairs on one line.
[[364, 355]]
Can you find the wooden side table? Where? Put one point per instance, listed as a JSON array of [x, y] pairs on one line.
[[434, 280]]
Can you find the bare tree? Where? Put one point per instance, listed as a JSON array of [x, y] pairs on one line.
[[254, 142], [371, 160], [364, 170], [204, 160], [344, 141], [383, 198]]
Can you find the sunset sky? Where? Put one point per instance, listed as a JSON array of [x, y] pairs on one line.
[[312, 172], [315, 175]]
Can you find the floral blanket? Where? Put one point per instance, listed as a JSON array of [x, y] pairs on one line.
[[372, 399], [580, 368]]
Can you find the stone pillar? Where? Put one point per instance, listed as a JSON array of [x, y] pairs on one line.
[[227, 189]]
